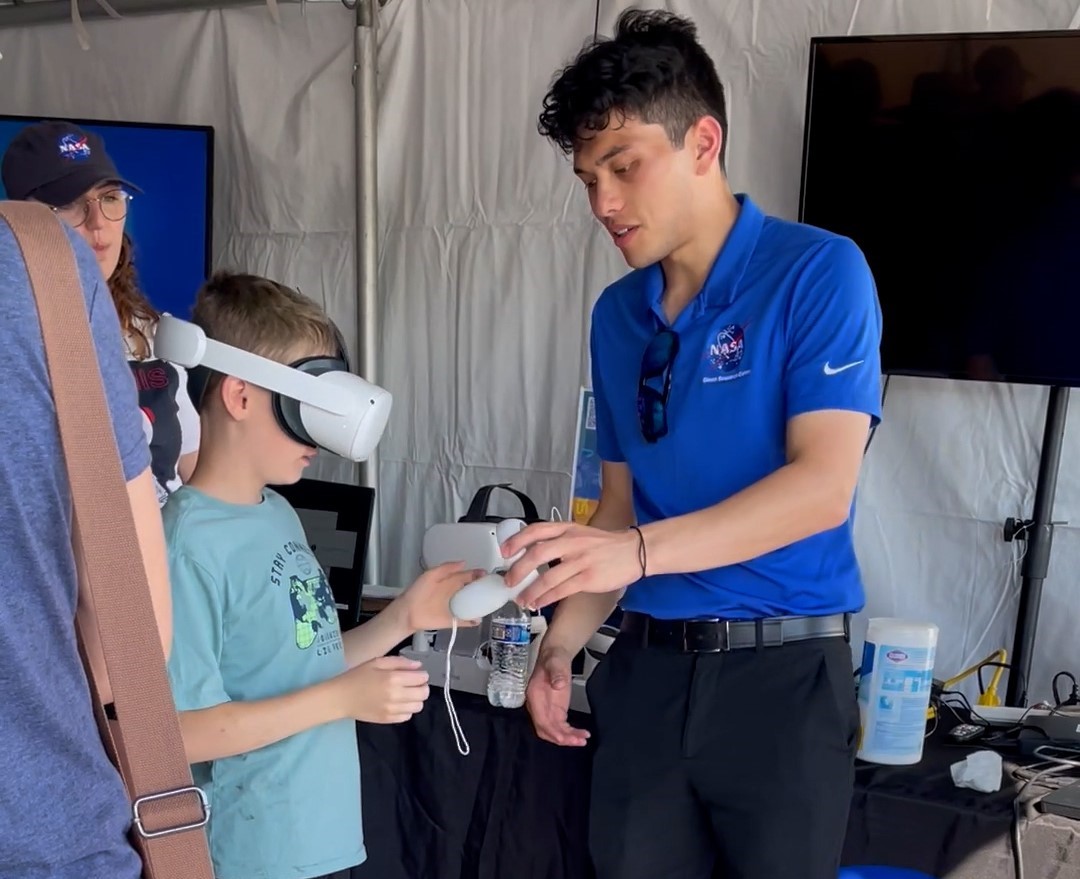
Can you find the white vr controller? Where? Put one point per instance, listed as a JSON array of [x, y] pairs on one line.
[[477, 544]]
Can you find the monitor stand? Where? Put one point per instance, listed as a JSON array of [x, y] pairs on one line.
[[1038, 531]]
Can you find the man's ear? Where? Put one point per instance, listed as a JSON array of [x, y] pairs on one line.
[[706, 139], [235, 397]]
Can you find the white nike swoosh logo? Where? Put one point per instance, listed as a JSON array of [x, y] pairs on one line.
[[831, 370]]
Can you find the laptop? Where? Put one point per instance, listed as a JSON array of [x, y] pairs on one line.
[[336, 518]]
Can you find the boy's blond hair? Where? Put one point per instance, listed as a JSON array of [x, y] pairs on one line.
[[263, 317]]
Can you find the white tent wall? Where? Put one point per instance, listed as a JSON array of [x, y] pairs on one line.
[[489, 260], [280, 99]]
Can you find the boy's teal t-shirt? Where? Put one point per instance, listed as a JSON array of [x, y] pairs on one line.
[[253, 618]]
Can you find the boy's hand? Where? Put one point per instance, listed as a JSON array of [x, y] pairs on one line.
[[427, 602], [390, 689]]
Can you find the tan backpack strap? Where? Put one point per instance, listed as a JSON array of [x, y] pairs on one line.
[[144, 740]]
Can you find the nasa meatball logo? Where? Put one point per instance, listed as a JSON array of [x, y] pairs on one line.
[[724, 355]]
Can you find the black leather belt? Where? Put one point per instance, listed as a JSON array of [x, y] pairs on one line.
[[720, 636]]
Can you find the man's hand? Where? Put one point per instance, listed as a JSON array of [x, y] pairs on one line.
[[426, 603], [548, 699], [389, 689], [590, 560]]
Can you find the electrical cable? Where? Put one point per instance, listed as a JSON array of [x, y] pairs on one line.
[[982, 685], [1074, 697], [1043, 773], [1054, 766]]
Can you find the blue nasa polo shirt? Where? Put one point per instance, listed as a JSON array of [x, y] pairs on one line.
[[788, 322]]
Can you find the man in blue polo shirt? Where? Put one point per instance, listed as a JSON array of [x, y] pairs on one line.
[[736, 375]]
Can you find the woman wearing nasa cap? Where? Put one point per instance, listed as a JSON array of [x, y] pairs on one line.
[[68, 169]]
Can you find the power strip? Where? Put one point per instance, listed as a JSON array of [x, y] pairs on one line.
[[1007, 715]]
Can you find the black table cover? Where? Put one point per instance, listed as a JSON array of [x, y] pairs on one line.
[[517, 808]]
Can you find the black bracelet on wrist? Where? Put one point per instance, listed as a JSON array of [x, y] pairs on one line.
[[641, 554]]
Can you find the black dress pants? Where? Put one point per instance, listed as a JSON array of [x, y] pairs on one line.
[[736, 765]]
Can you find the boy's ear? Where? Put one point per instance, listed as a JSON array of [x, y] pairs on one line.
[[236, 397]]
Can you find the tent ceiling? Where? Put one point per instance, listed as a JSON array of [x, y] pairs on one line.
[[23, 12]]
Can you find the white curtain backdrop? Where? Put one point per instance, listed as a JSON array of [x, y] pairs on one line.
[[490, 261]]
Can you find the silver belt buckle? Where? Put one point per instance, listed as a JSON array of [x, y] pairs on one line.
[[725, 639]]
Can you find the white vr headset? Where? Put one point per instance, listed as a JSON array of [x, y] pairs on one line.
[[316, 400]]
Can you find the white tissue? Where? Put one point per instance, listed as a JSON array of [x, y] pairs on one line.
[[981, 771]]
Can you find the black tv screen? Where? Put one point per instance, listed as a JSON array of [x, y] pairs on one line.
[[953, 161]]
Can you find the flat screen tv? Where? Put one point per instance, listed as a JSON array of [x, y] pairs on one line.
[[953, 161], [170, 223]]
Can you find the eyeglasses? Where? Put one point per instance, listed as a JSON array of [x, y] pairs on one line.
[[113, 204], [656, 364]]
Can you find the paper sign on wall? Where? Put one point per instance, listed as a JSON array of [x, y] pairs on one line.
[[585, 482]]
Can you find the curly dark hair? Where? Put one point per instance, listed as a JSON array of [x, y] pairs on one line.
[[132, 307], [653, 69]]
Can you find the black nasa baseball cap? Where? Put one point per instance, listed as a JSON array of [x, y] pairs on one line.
[[56, 163]]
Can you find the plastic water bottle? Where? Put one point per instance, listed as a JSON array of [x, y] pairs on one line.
[[509, 657]]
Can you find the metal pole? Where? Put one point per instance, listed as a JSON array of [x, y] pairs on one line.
[[1040, 540], [367, 232]]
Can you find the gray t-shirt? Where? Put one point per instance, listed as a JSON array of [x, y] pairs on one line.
[[63, 810]]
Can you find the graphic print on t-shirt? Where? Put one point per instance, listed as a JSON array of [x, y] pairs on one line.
[[310, 597], [158, 383]]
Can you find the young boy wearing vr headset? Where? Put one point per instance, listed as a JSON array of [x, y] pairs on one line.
[[267, 687]]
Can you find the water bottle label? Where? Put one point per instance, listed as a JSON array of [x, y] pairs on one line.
[[510, 633]]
